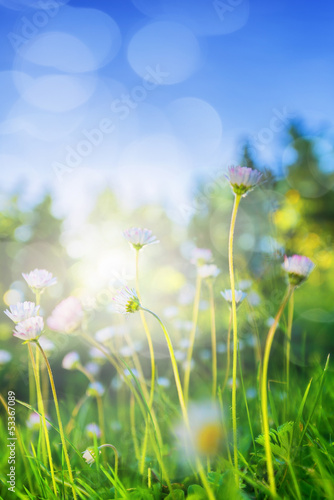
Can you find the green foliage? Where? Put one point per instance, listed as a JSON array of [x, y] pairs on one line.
[[280, 440]]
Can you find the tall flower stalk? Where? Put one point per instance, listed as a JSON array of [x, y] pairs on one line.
[[138, 238], [213, 340], [60, 425], [242, 180], [264, 392], [43, 420], [209, 272], [186, 380], [127, 302], [288, 346], [151, 349], [235, 331], [298, 269]]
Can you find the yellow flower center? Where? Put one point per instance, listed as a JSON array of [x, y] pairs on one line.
[[208, 438]]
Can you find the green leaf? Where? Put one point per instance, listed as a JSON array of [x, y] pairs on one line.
[[177, 495], [196, 492], [280, 440]]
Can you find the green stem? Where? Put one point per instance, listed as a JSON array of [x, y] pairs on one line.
[[213, 340], [182, 401], [192, 338], [228, 352], [235, 333], [151, 349], [133, 427], [175, 368], [60, 425], [99, 402], [43, 420], [264, 392], [288, 346], [157, 446], [116, 461]]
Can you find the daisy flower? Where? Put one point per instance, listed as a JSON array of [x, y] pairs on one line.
[[208, 271], [139, 238], [38, 279], [298, 268], [243, 179], [5, 357], [89, 456], [93, 430], [95, 389], [239, 296], [66, 316], [70, 361], [206, 431], [21, 311], [29, 329], [126, 301], [201, 256]]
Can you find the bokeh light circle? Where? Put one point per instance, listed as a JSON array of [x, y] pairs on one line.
[[59, 93], [198, 125], [60, 51], [217, 17], [164, 53]]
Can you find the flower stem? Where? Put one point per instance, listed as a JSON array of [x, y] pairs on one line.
[[41, 410], [99, 402], [288, 346], [116, 461], [60, 425], [235, 333], [228, 352], [151, 349], [133, 426], [192, 338], [182, 401], [213, 340], [175, 368], [264, 392]]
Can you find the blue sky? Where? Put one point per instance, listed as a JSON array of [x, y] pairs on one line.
[[151, 94]]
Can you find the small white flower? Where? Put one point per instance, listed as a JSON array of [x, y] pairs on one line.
[[206, 430], [93, 430], [138, 237], [92, 368], [243, 179], [70, 361], [201, 256], [21, 311], [239, 296], [95, 389], [298, 268], [38, 279], [105, 334], [5, 357], [89, 456], [208, 271], [34, 421], [96, 354], [66, 316], [29, 329], [126, 301], [163, 382]]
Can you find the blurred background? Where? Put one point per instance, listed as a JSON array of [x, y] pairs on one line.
[[120, 114]]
